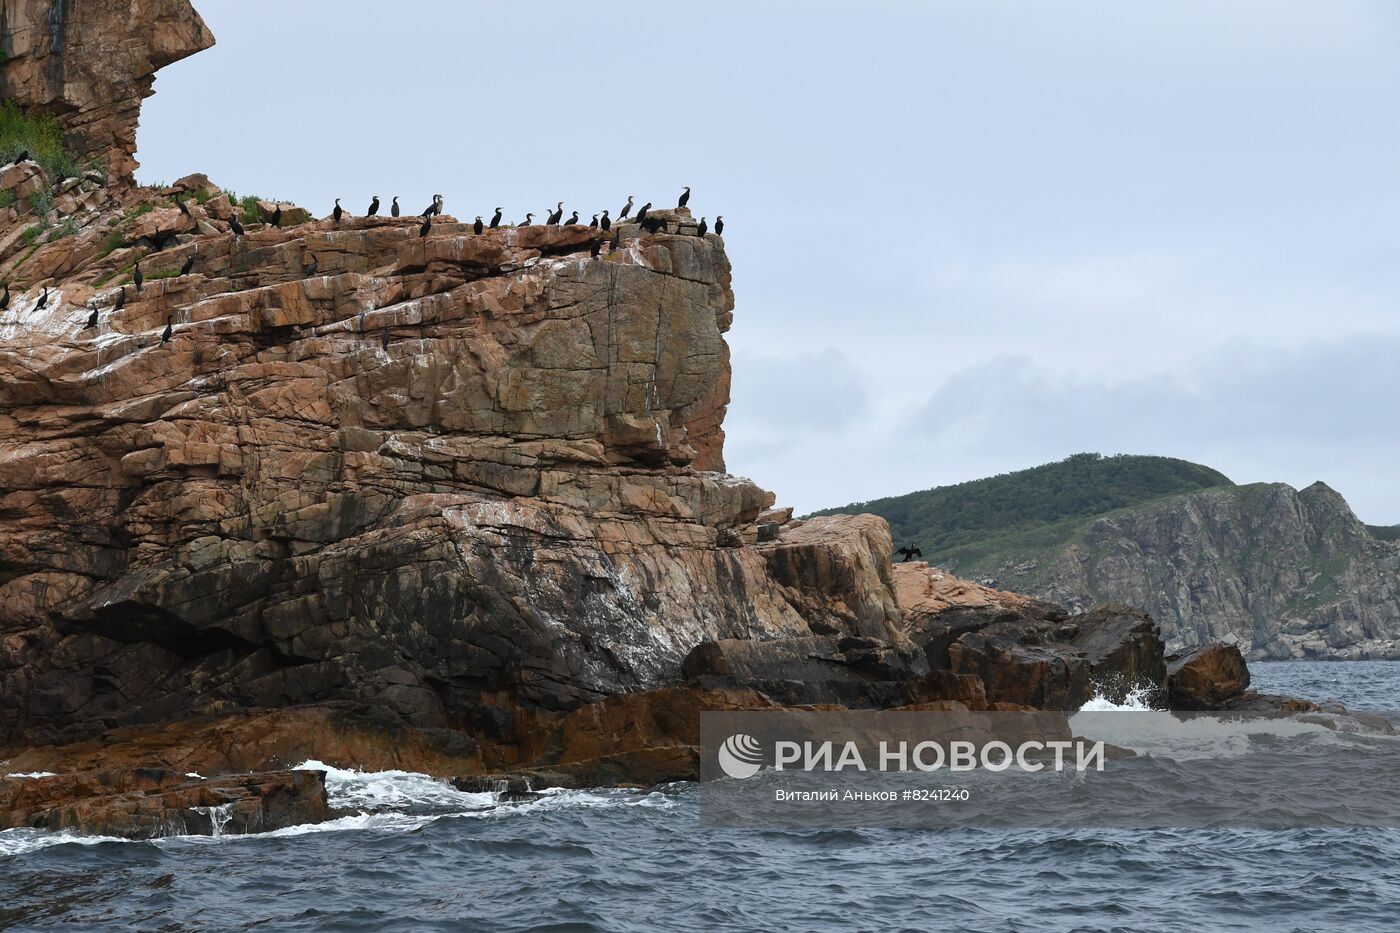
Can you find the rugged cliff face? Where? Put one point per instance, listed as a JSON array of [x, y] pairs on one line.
[[90, 63], [1282, 573]]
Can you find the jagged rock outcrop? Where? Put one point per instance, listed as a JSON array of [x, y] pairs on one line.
[[1206, 677], [1282, 573], [90, 63]]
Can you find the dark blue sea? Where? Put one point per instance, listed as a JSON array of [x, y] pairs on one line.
[[420, 855]]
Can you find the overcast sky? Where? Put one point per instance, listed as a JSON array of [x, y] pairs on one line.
[[967, 237]]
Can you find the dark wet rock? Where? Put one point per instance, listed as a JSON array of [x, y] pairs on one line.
[[1206, 677], [853, 672]]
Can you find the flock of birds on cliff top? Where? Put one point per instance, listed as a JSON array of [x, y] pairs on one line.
[[601, 220]]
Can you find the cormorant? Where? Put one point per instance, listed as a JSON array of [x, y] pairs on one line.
[[277, 216], [642, 214], [526, 221], [189, 265], [593, 250], [43, 299], [235, 226], [555, 215], [626, 209], [910, 552], [573, 219], [427, 225], [315, 264], [394, 208], [435, 208], [373, 207], [121, 300], [338, 212], [136, 275], [22, 157], [179, 202], [5, 299], [92, 320], [719, 225], [605, 222], [593, 224], [384, 340], [684, 198], [617, 239], [165, 336], [496, 221], [703, 229], [478, 226]]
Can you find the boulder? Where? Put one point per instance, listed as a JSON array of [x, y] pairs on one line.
[[143, 803], [291, 214], [23, 179], [1206, 677]]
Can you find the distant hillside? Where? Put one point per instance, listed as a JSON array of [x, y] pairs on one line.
[[1037, 508], [1284, 573]]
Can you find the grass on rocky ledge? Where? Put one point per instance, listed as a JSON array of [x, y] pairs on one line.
[[41, 136]]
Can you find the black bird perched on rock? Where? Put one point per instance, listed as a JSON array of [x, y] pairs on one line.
[[338, 212], [165, 335], [180, 203], [910, 552], [719, 225], [617, 238], [593, 224], [427, 225], [555, 214], [703, 229], [5, 299], [642, 214], [136, 275], [188, 266], [573, 219], [684, 198], [595, 249], [121, 300], [496, 221], [526, 221], [384, 340], [478, 226], [235, 226], [43, 299], [626, 209], [315, 264], [394, 208], [92, 320], [373, 207], [277, 216], [22, 157], [605, 222], [435, 208]]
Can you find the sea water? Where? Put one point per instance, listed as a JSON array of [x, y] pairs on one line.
[[417, 854]]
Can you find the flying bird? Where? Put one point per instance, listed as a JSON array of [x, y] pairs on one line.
[[478, 226], [719, 225], [92, 320], [626, 209], [373, 207], [496, 221], [684, 198], [394, 208], [165, 335], [338, 212], [910, 552]]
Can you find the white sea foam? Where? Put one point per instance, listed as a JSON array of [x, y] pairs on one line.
[[20, 841], [393, 790], [29, 774]]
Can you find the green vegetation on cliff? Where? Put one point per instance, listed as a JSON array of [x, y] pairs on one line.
[[40, 136], [1030, 509]]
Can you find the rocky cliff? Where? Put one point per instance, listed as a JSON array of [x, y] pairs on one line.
[[1282, 573], [90, 63]]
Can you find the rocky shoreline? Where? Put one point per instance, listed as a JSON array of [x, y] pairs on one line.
[[369, 493]]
